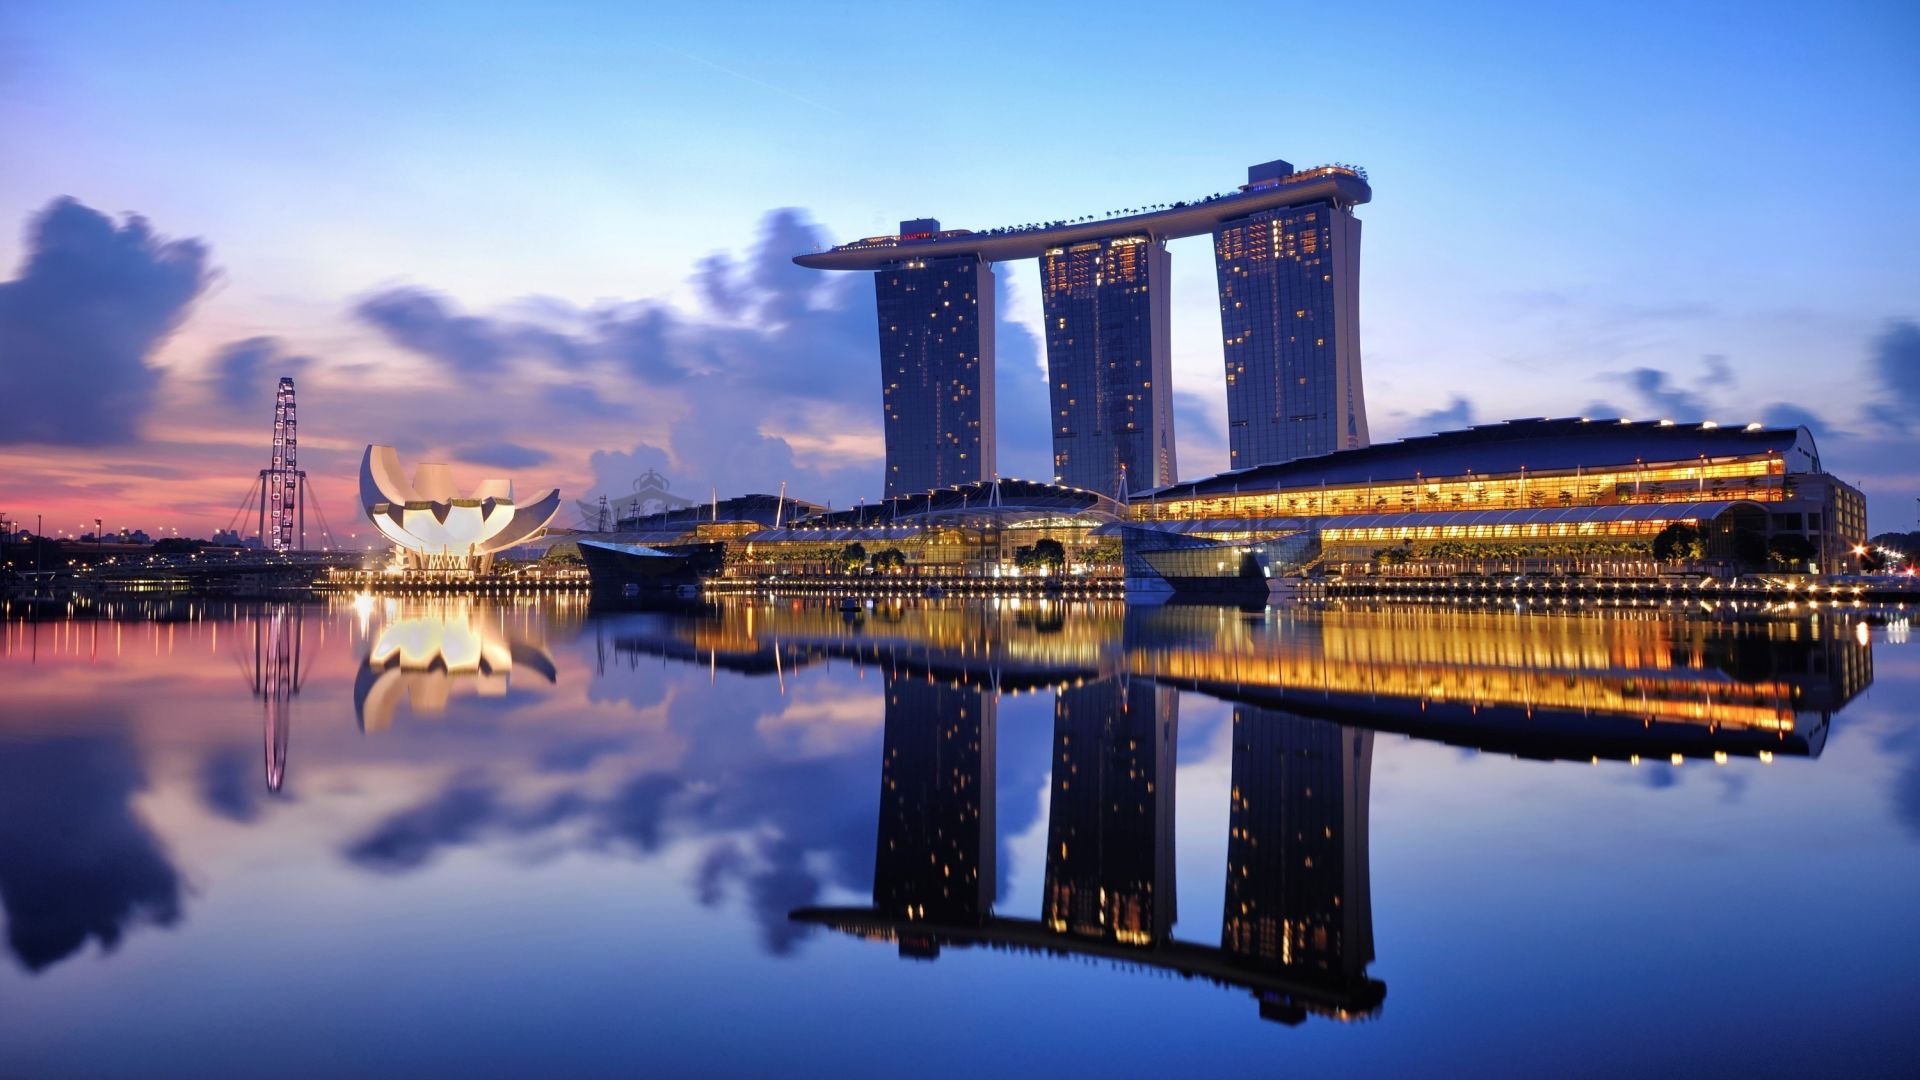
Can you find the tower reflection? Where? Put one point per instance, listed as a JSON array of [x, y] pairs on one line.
[[934, 857], [1297, 891], [1110, 816], [1297, 939], [1309, 688]]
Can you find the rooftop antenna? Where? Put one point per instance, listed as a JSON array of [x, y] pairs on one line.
[[780, 507]]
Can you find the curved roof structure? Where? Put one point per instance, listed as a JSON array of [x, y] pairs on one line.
[[1536, 445], [1537, 515], [425, 515], [1006, 497], [754, 509], [1340, 184]]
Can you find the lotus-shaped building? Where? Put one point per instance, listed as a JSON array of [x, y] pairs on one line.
[[436, 527]]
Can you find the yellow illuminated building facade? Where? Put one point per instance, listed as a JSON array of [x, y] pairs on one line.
[[1535, 489]]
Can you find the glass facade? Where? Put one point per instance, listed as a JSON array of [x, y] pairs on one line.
[[935, 855], [1289, 315], [1110, 818], [1297, 876], [1109, 366], [936, 372]]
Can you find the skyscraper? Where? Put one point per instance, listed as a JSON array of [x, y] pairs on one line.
[[1110, 818], [1289, 315], [1109, 363], [1298, 892], [934, 859], [936, 368], [1287, 249]]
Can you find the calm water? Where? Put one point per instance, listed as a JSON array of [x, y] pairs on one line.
[[439, 838]]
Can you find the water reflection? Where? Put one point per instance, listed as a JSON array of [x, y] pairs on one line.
[[276, 675], [436, 651], [934, 853], [1296, 929], [1110, 812], [91, 867], [1298, 898], [1310, 688], [1573, 686], [1535, 685], [756, 733]]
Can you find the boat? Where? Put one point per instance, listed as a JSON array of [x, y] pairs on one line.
[[1164, 566], [635, 572]]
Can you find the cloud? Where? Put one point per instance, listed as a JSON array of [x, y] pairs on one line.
[[1784, 414], [248, 372], [713, 280], [615, 470], [1906, 786], [723, 860], [409, 839], [230, 783], [579, 401], [1025, 433], [504, 455], [773, 379], [1200, 433], [424, 322], [637, 812], [76, 862], [1458, 414], [778, 821], [1663, 397], [78, 325], [1895, 361]]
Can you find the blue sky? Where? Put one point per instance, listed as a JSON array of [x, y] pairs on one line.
[[1691, 211]]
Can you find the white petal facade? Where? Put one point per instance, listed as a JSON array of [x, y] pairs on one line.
[[437, 529]]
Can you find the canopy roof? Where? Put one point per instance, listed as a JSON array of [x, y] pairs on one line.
[[1003, 496], [1537, 446], [1554, 515]]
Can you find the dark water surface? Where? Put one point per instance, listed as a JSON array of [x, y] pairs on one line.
[[454, 838]]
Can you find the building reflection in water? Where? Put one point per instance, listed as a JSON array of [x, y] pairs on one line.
[[934, 856], [1297, 892], [1310, 687], [1110, 817], [1109, 890], [427, 656], [1556, 686]]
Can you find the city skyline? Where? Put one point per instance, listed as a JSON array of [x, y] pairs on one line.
[[624, 356]]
